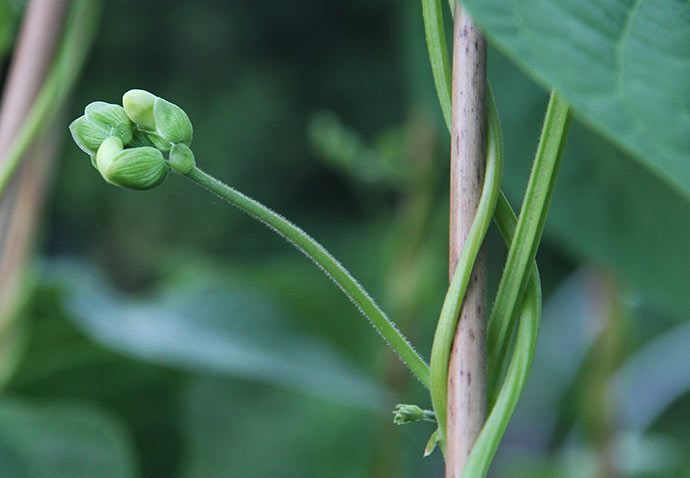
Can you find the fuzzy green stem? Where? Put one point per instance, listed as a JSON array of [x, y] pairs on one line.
[[331, 267], [438, 54], [528, 234]]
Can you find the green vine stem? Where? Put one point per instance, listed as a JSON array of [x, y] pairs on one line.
[[333, 269], [438, 54], [477, 465], [445, 330], [528, 234], [80, 28], [501, 407]]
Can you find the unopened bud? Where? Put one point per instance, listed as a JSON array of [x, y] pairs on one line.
[[164, 122], [172, 123], [411, 413], [100, 121], [135, 168], [181, 158]]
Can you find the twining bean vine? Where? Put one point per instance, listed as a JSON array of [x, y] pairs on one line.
[[136, 144]]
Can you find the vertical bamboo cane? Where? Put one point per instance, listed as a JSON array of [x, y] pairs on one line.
[[40, 31], [467, 370]]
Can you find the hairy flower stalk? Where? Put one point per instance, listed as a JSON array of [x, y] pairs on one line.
[[136, 144]]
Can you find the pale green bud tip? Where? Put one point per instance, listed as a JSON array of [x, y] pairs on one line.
[[138, 105], [135, 168], [106, 153], [181, 158]]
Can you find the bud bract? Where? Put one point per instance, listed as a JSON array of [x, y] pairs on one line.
[[172, 123], [135, 168], [181, 159], [140, 138], [100, 121], [159, 142]]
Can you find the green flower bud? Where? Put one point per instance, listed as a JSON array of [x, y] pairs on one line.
[[87, 135], [181, 158], [100, 121], [139, 107], [165, 122], [172, 123], [411, 413], [135, 168], [110, 117]]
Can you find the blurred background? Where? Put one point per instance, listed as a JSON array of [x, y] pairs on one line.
[[165, 334]]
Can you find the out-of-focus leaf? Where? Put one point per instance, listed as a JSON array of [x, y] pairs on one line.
[[572, 322], [653, 378], [632, 456], [212, 328], [60, 361], [624, 65], [605, 208], [346, 150], [62, 440], [236, 430]]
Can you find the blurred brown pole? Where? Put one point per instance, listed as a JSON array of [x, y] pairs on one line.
[[467, 370], [19, 204]]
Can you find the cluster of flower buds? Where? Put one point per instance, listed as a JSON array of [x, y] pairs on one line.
[[128, 144]]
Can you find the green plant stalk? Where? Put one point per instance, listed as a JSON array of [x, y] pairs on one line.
[[502, 409], [79, 32], [332, 268], [528, 234], [447, 322], [438, 54], [487, 443]]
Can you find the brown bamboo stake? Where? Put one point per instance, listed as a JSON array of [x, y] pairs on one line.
[[467, 369], [19, 204]]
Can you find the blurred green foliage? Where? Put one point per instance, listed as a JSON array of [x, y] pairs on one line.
[[122, 360]]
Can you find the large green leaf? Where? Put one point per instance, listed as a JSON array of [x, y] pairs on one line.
[[605, 208], [210, 327], [624, 64], [62, 440]]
